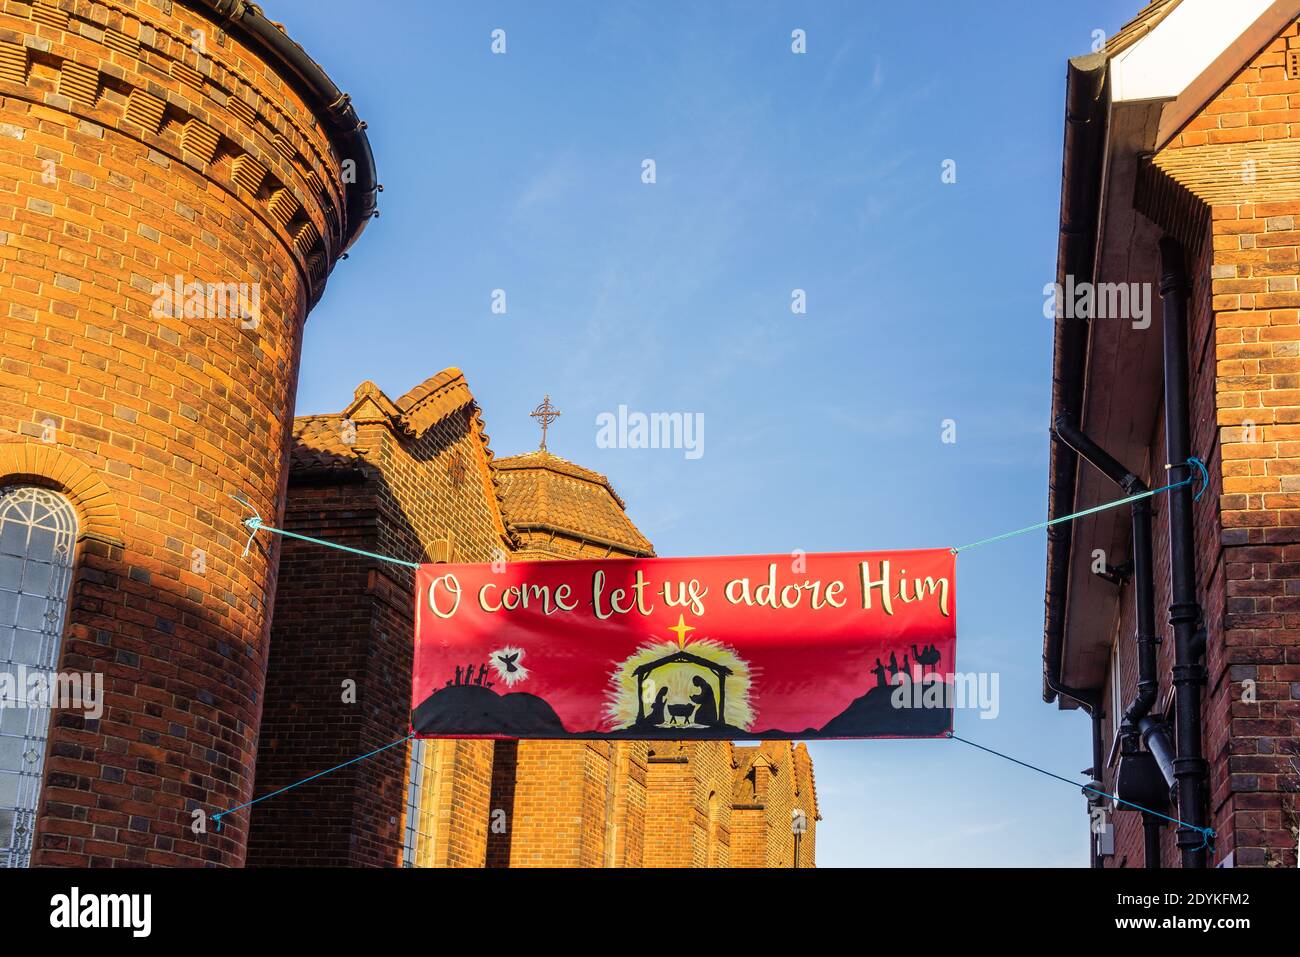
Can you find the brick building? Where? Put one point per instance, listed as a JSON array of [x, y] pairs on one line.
[[151, 147], [1177, 627], [177, 181], [415, 478]]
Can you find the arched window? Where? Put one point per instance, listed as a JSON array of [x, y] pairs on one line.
[[38, 529], [714, 853]]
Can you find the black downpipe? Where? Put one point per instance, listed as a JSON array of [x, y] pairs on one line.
[[1155, 734], [1184, 610], [1148, 685], [1151, 839], [1143, 566]]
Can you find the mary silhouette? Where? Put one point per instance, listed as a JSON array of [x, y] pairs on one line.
[[656, 716], [707, 712]]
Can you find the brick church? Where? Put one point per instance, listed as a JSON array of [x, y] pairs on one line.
[[415, 476], [1175, 624], [152, 145]]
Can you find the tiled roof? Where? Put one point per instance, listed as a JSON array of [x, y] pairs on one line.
[[539, 489], [318, 445], [803, 756], [434, 399]]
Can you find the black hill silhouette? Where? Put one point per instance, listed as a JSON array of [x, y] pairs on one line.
[[469, 709]]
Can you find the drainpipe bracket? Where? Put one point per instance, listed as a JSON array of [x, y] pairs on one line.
[[1185, 612], [1191, 674], [1184, 767]]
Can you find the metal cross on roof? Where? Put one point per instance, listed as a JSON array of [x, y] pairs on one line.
[[545, 414]]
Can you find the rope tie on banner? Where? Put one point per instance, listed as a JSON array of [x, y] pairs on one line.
[[1205, 481], [1206, 832]]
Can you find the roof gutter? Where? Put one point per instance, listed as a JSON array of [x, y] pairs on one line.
[[1085, 136], [330, 105], [585, 537]]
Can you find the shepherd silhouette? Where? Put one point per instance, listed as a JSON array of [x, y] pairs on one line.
[[879, 672], [893, 664], [707, 713]]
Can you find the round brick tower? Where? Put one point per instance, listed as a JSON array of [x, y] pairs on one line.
[[177, 180]]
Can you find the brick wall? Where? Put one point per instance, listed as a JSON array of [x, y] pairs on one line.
[[1228, 191], [126, 158], [324, 614], [558, 800], [773, 781], [670, 819], [342, 617]]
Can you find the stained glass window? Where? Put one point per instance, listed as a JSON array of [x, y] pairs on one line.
[[38, 529]]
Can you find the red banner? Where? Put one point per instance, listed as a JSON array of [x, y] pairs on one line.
[[842, 645]]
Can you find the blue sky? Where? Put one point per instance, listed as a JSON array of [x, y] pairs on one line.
[[775, 172]]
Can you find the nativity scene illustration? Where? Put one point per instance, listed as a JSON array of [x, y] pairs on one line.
[[680, 688], [688, 684]]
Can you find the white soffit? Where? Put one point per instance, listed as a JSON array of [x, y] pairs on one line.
[[1182, 46]]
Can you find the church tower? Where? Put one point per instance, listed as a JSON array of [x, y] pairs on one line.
[[177, 181]]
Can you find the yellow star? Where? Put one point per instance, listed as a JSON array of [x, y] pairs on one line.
[[681, 628]]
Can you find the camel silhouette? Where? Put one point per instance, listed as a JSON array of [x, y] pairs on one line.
[[927, 657]]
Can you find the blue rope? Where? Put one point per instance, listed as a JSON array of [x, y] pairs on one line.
[[1205, 481], [255, 525], [1206, 832], [218, 816]]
